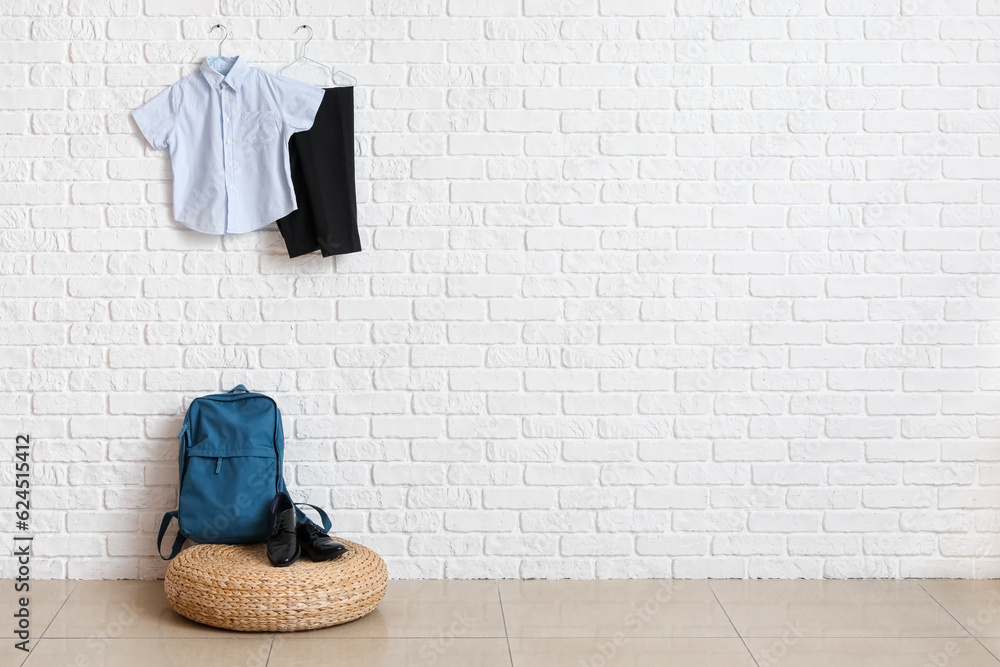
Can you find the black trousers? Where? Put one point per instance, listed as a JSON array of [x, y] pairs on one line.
[[322, 170]]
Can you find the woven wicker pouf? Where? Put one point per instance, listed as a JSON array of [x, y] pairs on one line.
[[235, 587]]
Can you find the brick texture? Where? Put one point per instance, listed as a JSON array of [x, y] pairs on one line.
[[679, 289]]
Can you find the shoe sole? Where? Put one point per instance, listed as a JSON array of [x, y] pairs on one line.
[[323, 560]]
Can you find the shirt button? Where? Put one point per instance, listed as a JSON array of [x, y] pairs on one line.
[[229, 164], [227, 120], [227, 141], [225, 97]]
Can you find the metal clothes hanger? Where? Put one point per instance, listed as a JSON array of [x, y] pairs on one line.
[[332, 72], [224, 37]]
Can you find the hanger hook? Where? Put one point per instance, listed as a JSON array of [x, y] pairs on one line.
[[224, 37], [308, 39]]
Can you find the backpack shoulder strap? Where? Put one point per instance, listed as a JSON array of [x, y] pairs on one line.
[[178, 541], [322, 515]]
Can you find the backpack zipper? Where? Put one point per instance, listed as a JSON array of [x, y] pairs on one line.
[[274, 439], [218, 464]]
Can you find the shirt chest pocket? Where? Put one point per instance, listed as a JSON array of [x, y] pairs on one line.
[[259, 127]]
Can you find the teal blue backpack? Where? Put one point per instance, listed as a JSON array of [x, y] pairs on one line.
[[231, 452]]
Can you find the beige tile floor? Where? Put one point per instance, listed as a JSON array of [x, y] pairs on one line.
[[636, 623]]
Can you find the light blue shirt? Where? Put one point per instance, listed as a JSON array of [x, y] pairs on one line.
[[227, 127]]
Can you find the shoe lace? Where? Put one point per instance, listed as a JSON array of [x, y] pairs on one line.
[[312, 530], [284, 523]]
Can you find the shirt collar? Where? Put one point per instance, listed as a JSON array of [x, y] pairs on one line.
[[238, 71]]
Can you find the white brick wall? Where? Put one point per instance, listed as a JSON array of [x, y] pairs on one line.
[[692, 288]]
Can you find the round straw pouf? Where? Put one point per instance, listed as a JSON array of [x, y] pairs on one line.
[[235, 587]]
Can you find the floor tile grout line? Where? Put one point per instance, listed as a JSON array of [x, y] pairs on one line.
[[856, 637], [55, 615], [507, 636], [995, 656], [270, 650], [503, 617], [735, 629], [944, 609], [630, 637], [239, 636], [961, 625]]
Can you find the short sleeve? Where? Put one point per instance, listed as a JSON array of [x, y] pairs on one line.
[[298, 103], [157, 117]]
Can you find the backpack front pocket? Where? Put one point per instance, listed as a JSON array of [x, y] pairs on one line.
[[225, 499]]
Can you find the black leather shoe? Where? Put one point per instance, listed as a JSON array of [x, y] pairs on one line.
[[316, 544], [282, 547]]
